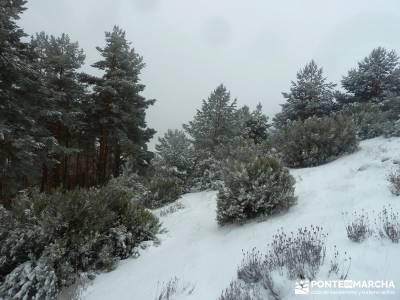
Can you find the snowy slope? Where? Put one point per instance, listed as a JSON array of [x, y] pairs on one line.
[[199, 252]]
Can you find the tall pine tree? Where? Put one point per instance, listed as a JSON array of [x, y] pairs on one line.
[[22, 140], [120, 109], [376, 77], [310, 95], [215, 123], [58, 60]]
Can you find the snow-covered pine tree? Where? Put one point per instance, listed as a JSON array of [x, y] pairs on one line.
[[120, 108], [243, 114], [310, 95], [176, 151], [22, 140], [215, 123], [256, 126], [376, 76], [373, 90], [58, 60]]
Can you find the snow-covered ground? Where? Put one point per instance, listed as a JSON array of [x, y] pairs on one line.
[[202, 254]]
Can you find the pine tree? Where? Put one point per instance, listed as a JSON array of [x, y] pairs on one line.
[[120, 108], [215, 123], [311, 95], [376, 77], [58, 61], [256, 126], [373, 93], [243, 114], [176, 151], [22, 141]]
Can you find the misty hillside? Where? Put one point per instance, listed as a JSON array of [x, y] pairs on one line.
[[205, 258]]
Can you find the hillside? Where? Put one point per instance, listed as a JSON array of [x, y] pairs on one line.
[[205, 256]]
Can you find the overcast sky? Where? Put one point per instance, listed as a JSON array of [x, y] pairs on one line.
[[254, 47]]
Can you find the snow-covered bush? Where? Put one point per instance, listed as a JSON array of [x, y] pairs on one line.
[[162, 190], [105, 258], [207, 174], [388, 224], [236, 291], [34, 280], [255, 278], [391, 128], [21, 238], [131, 184], [394, 181], [170, 209], [69, 232], [339, 265], [295, 256], [75, 291], [85, 221], [368, 118], [251, 269], [253, 187], [174, 289], [301, 255], [316, 140], [358, 227]]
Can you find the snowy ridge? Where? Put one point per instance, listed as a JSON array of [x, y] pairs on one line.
[[202, 254]]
